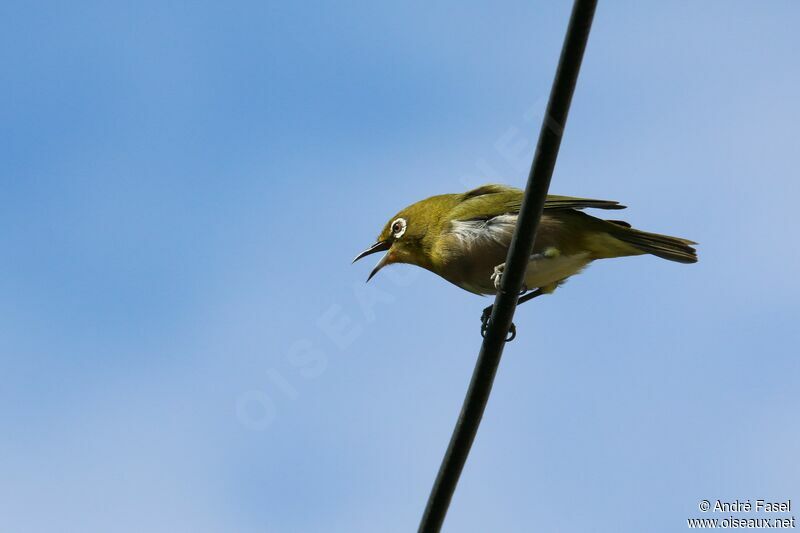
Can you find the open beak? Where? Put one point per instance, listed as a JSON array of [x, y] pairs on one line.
[[380, 246]]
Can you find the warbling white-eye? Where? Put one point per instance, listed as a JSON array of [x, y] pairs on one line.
[[464, 238]]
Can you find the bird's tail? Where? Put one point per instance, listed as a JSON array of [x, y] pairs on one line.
[[664, 246]]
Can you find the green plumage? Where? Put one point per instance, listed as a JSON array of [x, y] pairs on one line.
[[493, 200], [463, 237]]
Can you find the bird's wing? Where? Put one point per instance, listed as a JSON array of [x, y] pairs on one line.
[[489, 201], [569, 202]]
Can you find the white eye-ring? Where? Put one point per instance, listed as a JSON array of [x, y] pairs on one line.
[[398, 228]]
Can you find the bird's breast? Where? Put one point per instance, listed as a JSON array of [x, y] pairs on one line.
[[467, 258], [468, 254]]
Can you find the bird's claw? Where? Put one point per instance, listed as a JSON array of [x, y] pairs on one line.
[[497, 278], [512, 333], [486, 318], [497, 275]]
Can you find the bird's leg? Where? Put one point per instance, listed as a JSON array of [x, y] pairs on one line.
[[525, 297], [531, 295], [497, 275], [487, 313], [497, 279]]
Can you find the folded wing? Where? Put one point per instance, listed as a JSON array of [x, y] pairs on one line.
[[489, 201]]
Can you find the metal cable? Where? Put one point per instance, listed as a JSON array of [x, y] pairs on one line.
[[517, 261]]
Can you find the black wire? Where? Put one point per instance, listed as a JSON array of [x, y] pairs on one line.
[[505, 303]]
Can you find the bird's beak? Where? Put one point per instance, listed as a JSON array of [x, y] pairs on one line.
[[380, 246], [382, 263]]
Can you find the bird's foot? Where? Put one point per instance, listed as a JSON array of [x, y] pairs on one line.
[[497, 278], [486, 318], [497, 275]]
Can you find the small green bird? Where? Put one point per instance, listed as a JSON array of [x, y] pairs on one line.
[[464, 238]]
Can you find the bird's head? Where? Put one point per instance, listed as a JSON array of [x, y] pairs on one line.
[[406, 237]]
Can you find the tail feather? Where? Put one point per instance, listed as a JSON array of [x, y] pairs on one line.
[[664, 246]]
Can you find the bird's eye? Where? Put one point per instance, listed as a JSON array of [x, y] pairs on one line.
[[398, 228]]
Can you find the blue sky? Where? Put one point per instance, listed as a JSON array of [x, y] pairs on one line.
[[184, 345]]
